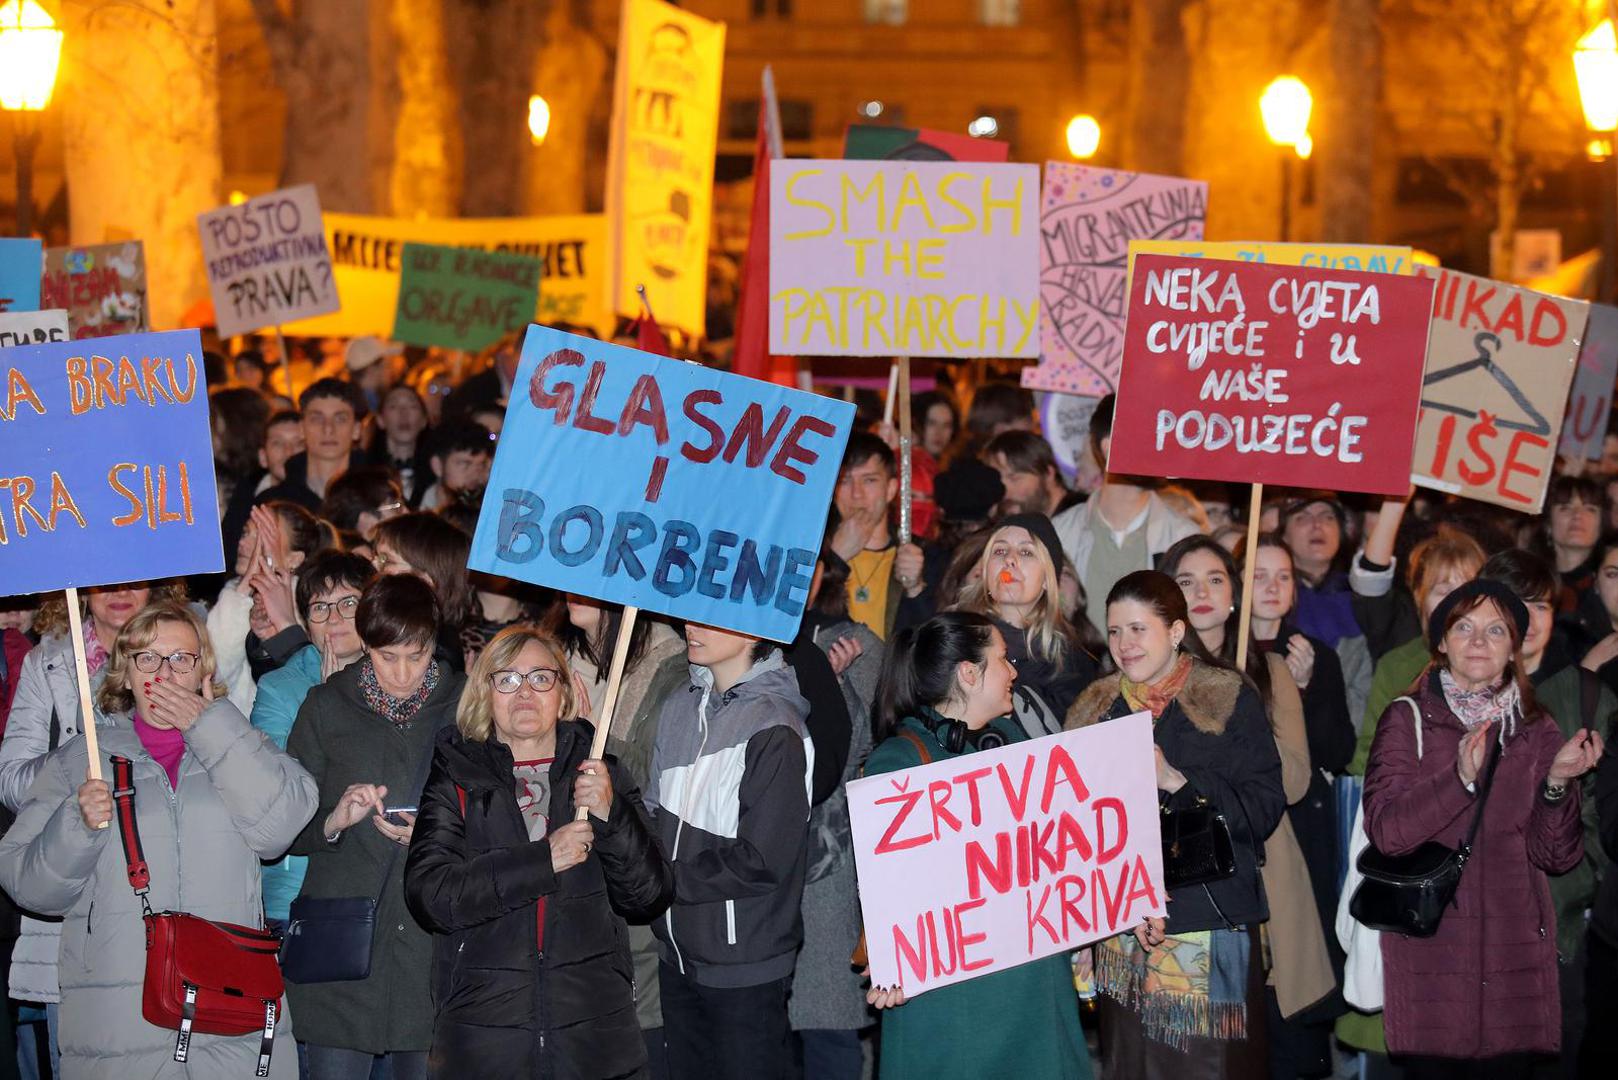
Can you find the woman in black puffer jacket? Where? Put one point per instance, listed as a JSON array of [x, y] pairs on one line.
[[531, 971]]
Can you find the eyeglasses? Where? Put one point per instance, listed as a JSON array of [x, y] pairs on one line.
[[321, 610], [541, 679], [180, 663]]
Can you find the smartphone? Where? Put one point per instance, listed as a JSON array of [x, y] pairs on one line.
[[390, 814]]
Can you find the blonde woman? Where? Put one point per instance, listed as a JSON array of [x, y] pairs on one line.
[[212, 798], [526, 906], [1017, 584]]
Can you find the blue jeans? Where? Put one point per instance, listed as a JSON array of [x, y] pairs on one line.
[[335, 1063], [831, 1054]]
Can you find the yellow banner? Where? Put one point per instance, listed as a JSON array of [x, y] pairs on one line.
[[665, 130], [1368, 258], [367, 254]]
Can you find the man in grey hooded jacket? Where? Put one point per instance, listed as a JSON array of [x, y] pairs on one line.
[[730, 791]]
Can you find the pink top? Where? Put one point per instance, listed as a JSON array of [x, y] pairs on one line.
[[166, 745]]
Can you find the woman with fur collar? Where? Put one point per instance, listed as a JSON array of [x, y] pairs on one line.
[[1185, 997]]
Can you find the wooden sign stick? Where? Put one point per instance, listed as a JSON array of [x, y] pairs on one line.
[[615, 678], [904, 449], [87, 712], [893, 394], [1244, 624]]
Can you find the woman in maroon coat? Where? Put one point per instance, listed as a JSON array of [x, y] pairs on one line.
[[1479, 998]]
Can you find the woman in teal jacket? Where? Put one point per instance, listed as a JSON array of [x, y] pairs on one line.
[[328, 594], [946, 692]]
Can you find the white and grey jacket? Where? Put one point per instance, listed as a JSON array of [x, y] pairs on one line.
[[729, 794]]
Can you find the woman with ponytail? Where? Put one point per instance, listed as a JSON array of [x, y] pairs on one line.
[[946, 692], [1184, 997]]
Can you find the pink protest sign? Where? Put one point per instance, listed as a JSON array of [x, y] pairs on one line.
[[983, 862], [1087, 217]]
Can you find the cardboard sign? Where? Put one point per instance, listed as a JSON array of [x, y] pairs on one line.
[[1285, 375], [1087, 218], [1588, 409], [368, 257], [101, 286], [660, 161], [462, 298], [983, 862], [267, 261], [879, 258], [19, 274], [108, 457], [1498, 370], [643, 480], [32, 328], [1369, 258]]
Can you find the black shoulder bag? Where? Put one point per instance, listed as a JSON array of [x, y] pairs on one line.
[[328, 939], [1407, 894]]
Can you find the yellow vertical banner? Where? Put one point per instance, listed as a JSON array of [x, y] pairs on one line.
[[665, 131]]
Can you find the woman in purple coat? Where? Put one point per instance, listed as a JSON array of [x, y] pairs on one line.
[[1479, 998]]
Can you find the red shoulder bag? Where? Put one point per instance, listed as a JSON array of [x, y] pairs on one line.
[[212, 977]]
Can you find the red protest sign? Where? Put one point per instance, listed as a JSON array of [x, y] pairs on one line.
[[1257, 373]]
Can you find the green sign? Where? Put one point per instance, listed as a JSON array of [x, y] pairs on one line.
[[463, 298]]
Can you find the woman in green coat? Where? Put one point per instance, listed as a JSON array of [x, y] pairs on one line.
[[946, 692]]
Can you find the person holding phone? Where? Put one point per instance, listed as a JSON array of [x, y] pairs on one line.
[[365, 735], [212, 798]]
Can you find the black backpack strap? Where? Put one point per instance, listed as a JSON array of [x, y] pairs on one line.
[[123, 798]]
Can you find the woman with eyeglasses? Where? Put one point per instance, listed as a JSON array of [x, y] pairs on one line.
[[366, 735], [212, 797], [531, 966]]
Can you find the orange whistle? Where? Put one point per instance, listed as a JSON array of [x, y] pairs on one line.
[[1005, 577]]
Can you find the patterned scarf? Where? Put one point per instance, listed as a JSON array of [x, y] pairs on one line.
[[397, 711], [1155, 697], [1194, 985], [95, 653], [1474, 708]]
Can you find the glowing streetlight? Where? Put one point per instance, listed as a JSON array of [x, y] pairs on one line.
[[30, 51], [1083, 136], [1285, 106], [1595, 64], [539, 119]]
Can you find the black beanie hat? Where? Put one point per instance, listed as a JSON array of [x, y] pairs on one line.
[[1040, 528], [1511, 606]]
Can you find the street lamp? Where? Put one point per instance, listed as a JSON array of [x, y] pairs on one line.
[[30, 49], [1595, 65], [1285, 106], [1083, 136], [539, 119]]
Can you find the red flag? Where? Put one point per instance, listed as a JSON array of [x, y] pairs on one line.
[[752, 355], [649, 336]]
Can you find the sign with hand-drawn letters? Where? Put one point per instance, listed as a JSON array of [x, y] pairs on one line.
[[101, 286], [108, 456], [1499, 365], [979, 863], [462, 298], [32, 328], [267, 261], [674, 487], [1087, 218], [1262, 373], [1589, 406], [904, 258]]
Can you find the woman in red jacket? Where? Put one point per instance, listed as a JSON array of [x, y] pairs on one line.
[[1479, 998]]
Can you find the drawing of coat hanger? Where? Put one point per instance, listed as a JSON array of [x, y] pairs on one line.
[[1487, 346]]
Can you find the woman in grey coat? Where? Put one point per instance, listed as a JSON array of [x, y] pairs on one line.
[[827, 1006], [212, 798]]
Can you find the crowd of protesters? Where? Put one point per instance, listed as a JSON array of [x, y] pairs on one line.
[[350, 714]]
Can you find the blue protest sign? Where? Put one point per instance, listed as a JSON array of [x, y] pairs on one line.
[[21, 263], [106, 463], [642, 480]]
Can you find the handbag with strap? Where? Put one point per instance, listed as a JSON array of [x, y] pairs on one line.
[[329, 939], [213, 977], [1408, 894], [1197, 848]]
